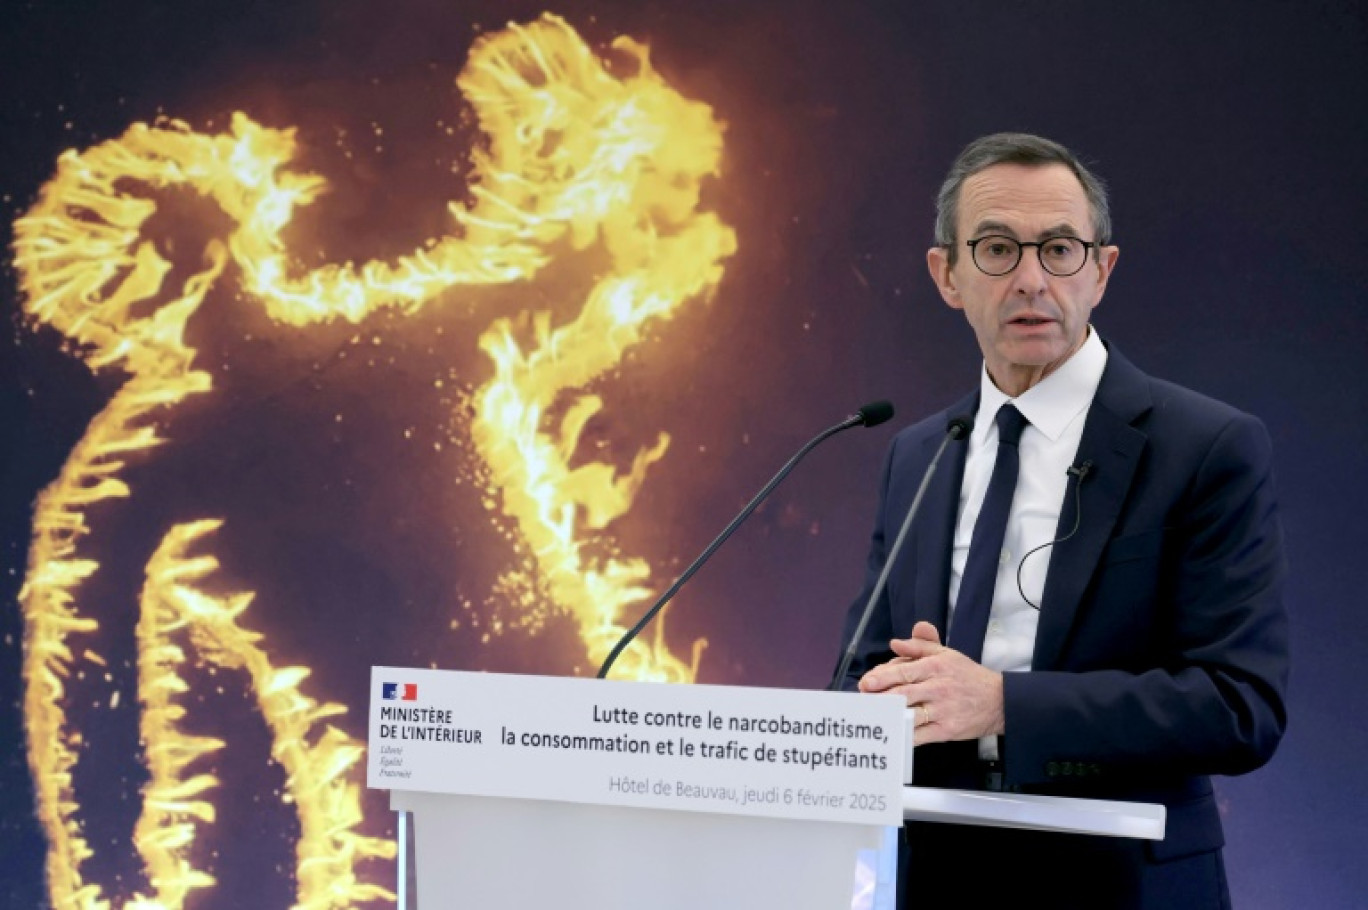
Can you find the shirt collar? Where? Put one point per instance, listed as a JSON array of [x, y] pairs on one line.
[[1053, 403]]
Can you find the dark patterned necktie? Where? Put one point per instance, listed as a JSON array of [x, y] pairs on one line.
[[974, 602]]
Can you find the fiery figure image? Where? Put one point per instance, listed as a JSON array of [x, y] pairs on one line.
[[576, 157]]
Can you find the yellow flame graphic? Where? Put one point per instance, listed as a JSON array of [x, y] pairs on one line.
[[327, 804], [576, 156]]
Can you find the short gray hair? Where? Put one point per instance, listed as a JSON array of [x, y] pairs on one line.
[[1015, 148]]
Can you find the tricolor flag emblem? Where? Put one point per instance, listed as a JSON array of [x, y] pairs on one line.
[[399, 691]]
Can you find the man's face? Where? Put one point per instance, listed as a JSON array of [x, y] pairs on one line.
[[1028, 321]]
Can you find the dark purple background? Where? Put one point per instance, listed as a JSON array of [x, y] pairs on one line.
[[1232, 135]]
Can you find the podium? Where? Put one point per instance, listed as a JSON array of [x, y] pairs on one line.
[[572, 793], [481, 852]]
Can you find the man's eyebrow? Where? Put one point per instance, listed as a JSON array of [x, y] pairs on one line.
[[993, 227], [1062, 229]]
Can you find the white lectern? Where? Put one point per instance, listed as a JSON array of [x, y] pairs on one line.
[[570, 793], [481, 852]]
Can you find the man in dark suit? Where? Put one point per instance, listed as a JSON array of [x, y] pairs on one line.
[[1105, 553]]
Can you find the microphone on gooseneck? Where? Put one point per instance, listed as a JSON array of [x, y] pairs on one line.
[[958, 428], [871, 415], [1079, 473]]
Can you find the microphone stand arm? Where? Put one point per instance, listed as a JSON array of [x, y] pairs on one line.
[[882, 582], [851, 421]]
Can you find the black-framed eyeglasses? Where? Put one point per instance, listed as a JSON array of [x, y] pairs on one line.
[[996, 254]]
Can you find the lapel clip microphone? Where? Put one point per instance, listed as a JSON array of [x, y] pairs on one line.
[[1079, 473]]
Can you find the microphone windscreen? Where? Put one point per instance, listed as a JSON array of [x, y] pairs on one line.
[[961, 426], [876, 412]]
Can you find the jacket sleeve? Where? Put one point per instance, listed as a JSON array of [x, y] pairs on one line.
[[1209, 697]]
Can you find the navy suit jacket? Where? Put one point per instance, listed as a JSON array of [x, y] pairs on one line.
[[1161, 654]]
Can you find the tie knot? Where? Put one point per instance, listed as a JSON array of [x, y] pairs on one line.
[[1010, 423]]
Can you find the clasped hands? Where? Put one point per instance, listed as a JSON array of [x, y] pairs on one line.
[[953, 696]]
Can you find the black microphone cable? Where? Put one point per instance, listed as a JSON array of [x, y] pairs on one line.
[[1079, 473]]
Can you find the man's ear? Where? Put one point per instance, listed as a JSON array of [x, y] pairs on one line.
[[942, 273], [1106, 261]]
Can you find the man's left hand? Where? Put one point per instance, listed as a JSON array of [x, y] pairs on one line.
[[953, 696]]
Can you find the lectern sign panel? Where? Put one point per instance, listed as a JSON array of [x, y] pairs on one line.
[[722, 749]]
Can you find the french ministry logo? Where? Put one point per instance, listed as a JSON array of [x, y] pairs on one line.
[[399, 691]]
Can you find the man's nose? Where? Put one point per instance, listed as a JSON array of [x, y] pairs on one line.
[[1029, 278]]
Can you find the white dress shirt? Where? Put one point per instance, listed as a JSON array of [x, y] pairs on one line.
[[1056, 408]]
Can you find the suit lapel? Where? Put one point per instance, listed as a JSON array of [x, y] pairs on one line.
[[1114, 447], [935, 528]]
